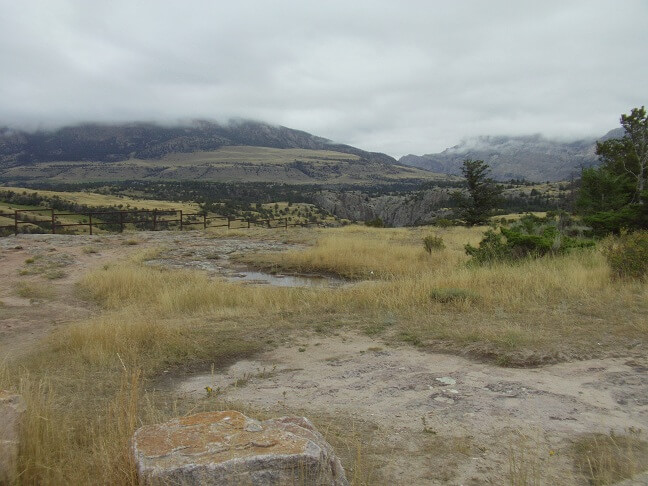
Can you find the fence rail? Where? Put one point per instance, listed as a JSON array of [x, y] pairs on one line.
[[152, 218]]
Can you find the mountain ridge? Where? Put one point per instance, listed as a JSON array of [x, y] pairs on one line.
[[99, 142], [531, 157], [240, 150]]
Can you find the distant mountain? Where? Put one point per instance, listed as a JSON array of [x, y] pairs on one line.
[[111, 143], [235, 151], [534, 158]]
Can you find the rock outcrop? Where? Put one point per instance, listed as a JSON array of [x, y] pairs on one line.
[[417, 208], [228, 448], [12, 409]]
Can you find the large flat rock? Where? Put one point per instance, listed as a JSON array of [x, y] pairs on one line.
[[229, 448]]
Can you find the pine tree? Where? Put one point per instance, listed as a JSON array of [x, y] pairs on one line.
[[483, 195]]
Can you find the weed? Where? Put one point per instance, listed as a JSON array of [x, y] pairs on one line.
[[34, 290], [374, 329], [628, 255], [607, 459], [445, 296], [410, 337], [433, 243], [54, 274]]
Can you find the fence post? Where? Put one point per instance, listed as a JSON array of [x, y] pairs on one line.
[[268, 221], [181, 220], [228, 223], [90, 219], [154, 219], [53, 222], [248, 223], [121, 221], [205, 220], [286, 222], [16, 221]]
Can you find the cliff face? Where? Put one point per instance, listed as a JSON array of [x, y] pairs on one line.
[[418, 208], [533, 158]]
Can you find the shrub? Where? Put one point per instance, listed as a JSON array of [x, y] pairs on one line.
[[628, 255], [433, 243], [530, 237], [444, 223], [492, 248], [375, 223]]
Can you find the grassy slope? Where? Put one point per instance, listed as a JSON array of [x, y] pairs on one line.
[[254, 164], [94, 199]]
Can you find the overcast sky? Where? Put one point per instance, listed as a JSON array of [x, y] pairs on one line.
[[393, 76]]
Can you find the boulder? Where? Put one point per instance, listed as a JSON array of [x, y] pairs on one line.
[[12, 409], [229, 448]]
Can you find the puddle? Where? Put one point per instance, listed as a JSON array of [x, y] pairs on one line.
[[278, 280]]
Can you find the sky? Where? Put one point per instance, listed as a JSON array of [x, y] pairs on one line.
[[392, 76]]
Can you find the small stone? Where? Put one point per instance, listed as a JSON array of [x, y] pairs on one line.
[[12, 410], [253, 427], [446, 380], [228, 448]]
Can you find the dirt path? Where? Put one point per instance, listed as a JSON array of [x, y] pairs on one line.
[[442, 419], [38, 274]]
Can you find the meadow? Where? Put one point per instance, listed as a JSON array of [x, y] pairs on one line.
[[91, 383]]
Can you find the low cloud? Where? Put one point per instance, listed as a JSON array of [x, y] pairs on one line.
[[408, 77]]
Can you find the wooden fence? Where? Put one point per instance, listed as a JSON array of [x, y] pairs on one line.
[[152, 218]]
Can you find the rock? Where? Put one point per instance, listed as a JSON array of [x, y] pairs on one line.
[[12, 409], [446, 380], [228, 448]]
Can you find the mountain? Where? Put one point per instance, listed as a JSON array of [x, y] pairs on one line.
[[239, 150], [534, 158]]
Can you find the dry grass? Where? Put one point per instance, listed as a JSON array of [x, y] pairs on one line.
[[93, 199], [606, 459], [86, 387], [34, 290]]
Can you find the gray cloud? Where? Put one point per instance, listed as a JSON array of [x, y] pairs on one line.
[[400, 77]]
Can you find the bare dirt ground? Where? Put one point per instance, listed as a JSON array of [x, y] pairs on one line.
[[421, 417], [441, 419], [38, 273]]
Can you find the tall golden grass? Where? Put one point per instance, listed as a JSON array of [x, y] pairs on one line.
[[86, 385]]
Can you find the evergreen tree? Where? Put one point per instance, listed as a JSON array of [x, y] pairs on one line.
[[483, 195], [613, 196]]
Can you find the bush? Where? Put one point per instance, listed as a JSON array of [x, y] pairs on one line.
[[492, 248], [444, 223], [628, 255], [530, 237], [375, 223], [433, 243]]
